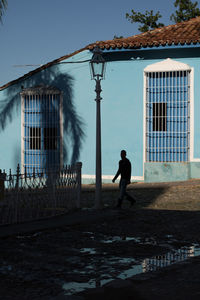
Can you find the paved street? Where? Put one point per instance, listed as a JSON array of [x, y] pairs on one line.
[[102, 251]]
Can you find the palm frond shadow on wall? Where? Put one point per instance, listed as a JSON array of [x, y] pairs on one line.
[[73, 124]]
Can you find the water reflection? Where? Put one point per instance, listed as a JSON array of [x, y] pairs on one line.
[[88, 250], [5, 269], [108, 269], [113, 239], [160, 261]]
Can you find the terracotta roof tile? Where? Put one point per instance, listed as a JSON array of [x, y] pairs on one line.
[[187, 32]]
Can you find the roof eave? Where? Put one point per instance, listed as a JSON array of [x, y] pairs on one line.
[[39, 69]]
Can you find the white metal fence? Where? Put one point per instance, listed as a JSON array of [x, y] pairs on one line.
[[26, 197]]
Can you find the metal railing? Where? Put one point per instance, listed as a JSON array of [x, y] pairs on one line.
[[25, 197]]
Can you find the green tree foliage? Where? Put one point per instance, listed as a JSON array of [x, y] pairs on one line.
[[3, 6], [116, 37], [149, 20], [186, 10]]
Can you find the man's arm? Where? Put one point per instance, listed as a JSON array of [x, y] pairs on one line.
[[117, 174], [129, 171]]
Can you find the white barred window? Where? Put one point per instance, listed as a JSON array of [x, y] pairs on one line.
[[167, 95], [41, 129]]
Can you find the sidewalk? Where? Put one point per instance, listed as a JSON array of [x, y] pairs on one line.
[[77, 217], [84, 216]]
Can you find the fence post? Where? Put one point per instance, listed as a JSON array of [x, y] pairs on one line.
[[17, 177], [78, 170], [2, 179]]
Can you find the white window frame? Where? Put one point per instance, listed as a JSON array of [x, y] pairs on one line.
[[170, 65], [40, 91]]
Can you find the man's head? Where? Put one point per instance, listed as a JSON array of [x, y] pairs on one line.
[[123, 154]]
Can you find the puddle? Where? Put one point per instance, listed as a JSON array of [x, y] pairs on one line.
[[28, 236], [88, 250], [75, 287], [107, 269], [161, 261], [5, 269], [113, 239], [138, 240], [120, 239]]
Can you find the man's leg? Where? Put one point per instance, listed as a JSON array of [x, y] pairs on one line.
[[122, 187], [130, 198]]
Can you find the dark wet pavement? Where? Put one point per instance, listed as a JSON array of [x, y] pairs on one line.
[[95, 249]]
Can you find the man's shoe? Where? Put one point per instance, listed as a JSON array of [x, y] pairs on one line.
[[118, 206], [119, 203], [133, 201]]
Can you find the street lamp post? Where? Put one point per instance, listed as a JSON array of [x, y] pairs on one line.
[[97, 65]]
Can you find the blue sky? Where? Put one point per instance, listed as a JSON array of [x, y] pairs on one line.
[[39, 31]]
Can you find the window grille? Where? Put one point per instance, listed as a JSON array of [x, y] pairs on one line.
[[50, 138], [41, 129], [159, 116], [35, 138], [167, 116]]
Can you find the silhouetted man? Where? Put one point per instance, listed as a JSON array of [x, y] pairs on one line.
[[125, 172]]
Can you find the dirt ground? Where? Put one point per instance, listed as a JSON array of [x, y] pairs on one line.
[[106, 254]]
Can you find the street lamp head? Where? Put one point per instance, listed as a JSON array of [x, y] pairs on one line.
[[97, 64]]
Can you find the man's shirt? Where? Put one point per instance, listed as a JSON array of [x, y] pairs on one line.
[[124, 169]]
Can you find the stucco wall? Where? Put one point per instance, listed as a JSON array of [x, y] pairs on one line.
[[121, 109], [10, 133], [164, 172]]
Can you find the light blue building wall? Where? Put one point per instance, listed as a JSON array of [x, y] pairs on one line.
[[122, 111]]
